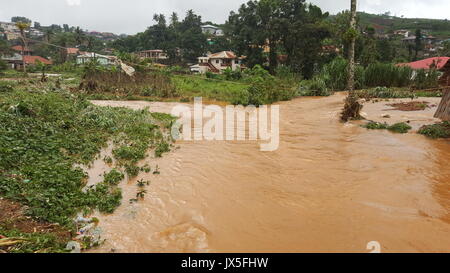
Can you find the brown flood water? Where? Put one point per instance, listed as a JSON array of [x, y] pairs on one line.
[[330, 187]]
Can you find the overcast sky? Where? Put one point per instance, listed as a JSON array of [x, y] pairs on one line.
[[132, 16]]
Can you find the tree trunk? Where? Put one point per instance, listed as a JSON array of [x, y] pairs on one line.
[[352, 107], [443, 111], [24, 47], [351, 65]]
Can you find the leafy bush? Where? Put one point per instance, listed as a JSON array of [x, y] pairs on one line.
[[132, 170], [400, 128], [266, 91], [3, 65], [232, 75], [372, 125], [335, 74], [438, 130], [426, 79], [314, 87], [113, 177]]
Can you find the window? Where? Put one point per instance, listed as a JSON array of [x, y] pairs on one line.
[[217, 61]]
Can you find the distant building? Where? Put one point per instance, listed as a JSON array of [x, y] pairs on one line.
[[11, 27], [86, 57], [21, 50], [155, 55], [72, 51], [33, 60], [11, 35], [439, 63], [402, 32], [217, 63], [14, 60], [427, 39], [212, 30]]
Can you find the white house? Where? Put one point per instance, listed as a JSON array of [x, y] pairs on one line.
[[86, 57], [217, 63], [155, 55], [212, 30]]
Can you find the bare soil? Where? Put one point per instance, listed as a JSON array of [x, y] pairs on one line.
[[410, 106], [13, 216]]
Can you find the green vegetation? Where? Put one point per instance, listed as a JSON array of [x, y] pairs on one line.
[[22, 242], [198, 86], [401, 128], [44, 135], [382, 77], [438, 130], [113, 177], [372, 125]]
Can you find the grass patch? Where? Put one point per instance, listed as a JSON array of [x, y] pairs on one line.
[[199, 86], [401, 128], [438, 130]]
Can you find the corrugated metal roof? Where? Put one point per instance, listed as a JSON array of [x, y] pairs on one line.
[[438, 62], [35, 59], [223, 55]]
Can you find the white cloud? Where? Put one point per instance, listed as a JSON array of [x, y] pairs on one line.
[[73, 2]]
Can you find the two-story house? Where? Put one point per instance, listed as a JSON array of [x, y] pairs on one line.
[[217, 63]]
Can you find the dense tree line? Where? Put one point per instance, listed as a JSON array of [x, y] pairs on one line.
[[182, 40], [289, 27]]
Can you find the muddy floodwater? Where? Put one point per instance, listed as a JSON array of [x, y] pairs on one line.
[[330, 187]]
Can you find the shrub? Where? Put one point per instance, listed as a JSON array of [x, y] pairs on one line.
[[401, 128], [335, 74], [238, 97], [314, 87], [132, 170], [389, 75], [114, 177], [232, 75], [438, 130], [372, 125], [211, 75], [3, 65], [426, 79]]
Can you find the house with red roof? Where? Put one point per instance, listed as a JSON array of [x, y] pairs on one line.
[[22, 50], [217, 62], [33, 60], [439, 63], [72, 51]]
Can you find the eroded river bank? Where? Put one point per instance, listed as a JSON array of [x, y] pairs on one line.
[[330, 187]]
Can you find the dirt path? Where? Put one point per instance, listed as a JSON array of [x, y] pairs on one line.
[[330, 187]]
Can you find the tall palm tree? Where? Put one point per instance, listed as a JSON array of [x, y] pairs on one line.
[[352, 106], [48, 34], [22, 27], [79, 35]]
